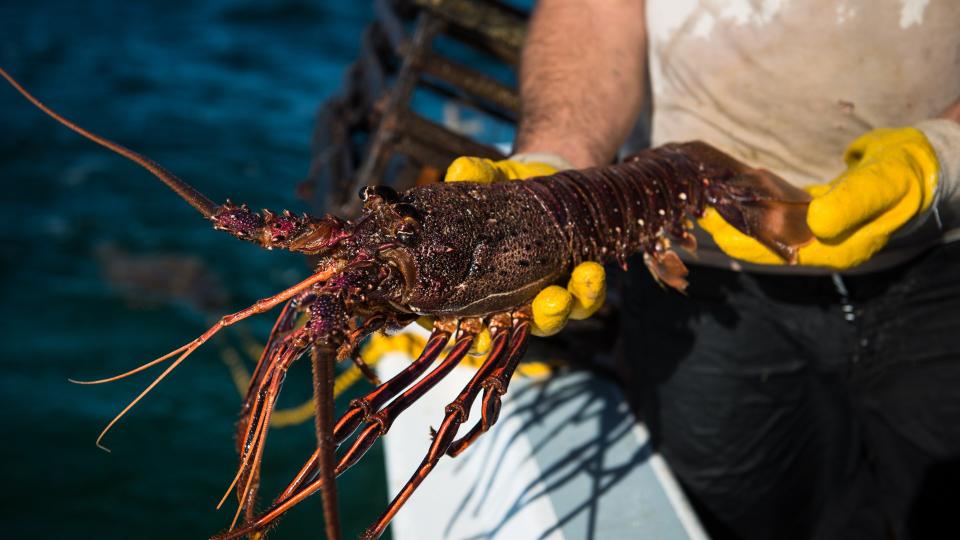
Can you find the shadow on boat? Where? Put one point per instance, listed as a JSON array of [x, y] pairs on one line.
[[580, 434]]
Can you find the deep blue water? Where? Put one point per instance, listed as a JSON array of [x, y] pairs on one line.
[[223, 93]]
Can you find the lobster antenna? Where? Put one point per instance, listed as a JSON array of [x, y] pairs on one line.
[[193, 197], [135, 370]]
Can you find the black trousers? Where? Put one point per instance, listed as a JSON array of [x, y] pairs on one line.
[[800, 407]]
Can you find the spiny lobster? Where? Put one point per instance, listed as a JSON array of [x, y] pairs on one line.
[[469, 255]]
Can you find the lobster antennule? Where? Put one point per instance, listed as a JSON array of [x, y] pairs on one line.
[[187, 192], [284, 230]]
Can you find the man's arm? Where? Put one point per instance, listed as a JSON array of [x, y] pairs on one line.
[[582, 78], [952, 112]]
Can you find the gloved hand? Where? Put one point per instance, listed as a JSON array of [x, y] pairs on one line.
[[554, 305], [891, 177]]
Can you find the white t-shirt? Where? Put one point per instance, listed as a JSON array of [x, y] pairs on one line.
[[787, 84]]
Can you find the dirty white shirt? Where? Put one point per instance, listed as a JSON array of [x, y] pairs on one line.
[[786, 85]]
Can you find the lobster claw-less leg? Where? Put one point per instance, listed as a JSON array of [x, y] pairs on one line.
[[508, 343], [246, 427], [285, 323], [309, 482], [380, 423], [495, 386], [252, 399], [349, 347], [323, 360], [362, 409], [264, 394]]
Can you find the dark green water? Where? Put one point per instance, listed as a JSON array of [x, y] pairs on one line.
[[222, 93]]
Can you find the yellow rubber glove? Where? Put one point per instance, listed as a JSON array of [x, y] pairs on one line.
[[474, 169], [891, 177], [554, 305]]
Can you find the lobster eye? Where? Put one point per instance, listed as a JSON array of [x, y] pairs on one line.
[[386, 193], [407, 230], [407, 210]]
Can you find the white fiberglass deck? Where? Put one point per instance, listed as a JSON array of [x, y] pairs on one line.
[[567, 460]]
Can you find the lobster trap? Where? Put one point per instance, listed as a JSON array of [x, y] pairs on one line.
[[434, 80]]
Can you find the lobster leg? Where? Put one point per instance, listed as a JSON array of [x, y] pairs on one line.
[[362, 409], [284, 325], [322, 360], [247, 477], [348, 349], [324, 326], [378, 424], [457, 412], [493, 387]]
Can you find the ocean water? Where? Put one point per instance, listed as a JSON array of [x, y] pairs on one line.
[[103, 269]]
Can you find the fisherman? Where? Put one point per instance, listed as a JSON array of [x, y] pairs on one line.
[[818, 401]]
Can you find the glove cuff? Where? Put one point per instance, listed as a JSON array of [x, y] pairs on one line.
[[944, 137], [556, 161]]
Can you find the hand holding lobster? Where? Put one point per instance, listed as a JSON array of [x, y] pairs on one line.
[[892, 177], [554, 305]]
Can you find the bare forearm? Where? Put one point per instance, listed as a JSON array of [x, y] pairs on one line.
[[582, 78], [952, 112]]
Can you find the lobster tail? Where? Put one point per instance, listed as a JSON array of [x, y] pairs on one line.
[[763, 206], [608, 213], [756, 202]]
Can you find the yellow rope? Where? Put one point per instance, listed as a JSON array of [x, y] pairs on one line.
[[380, 345], [282, 418]]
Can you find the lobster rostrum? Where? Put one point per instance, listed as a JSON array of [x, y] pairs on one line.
[[471, 256]]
